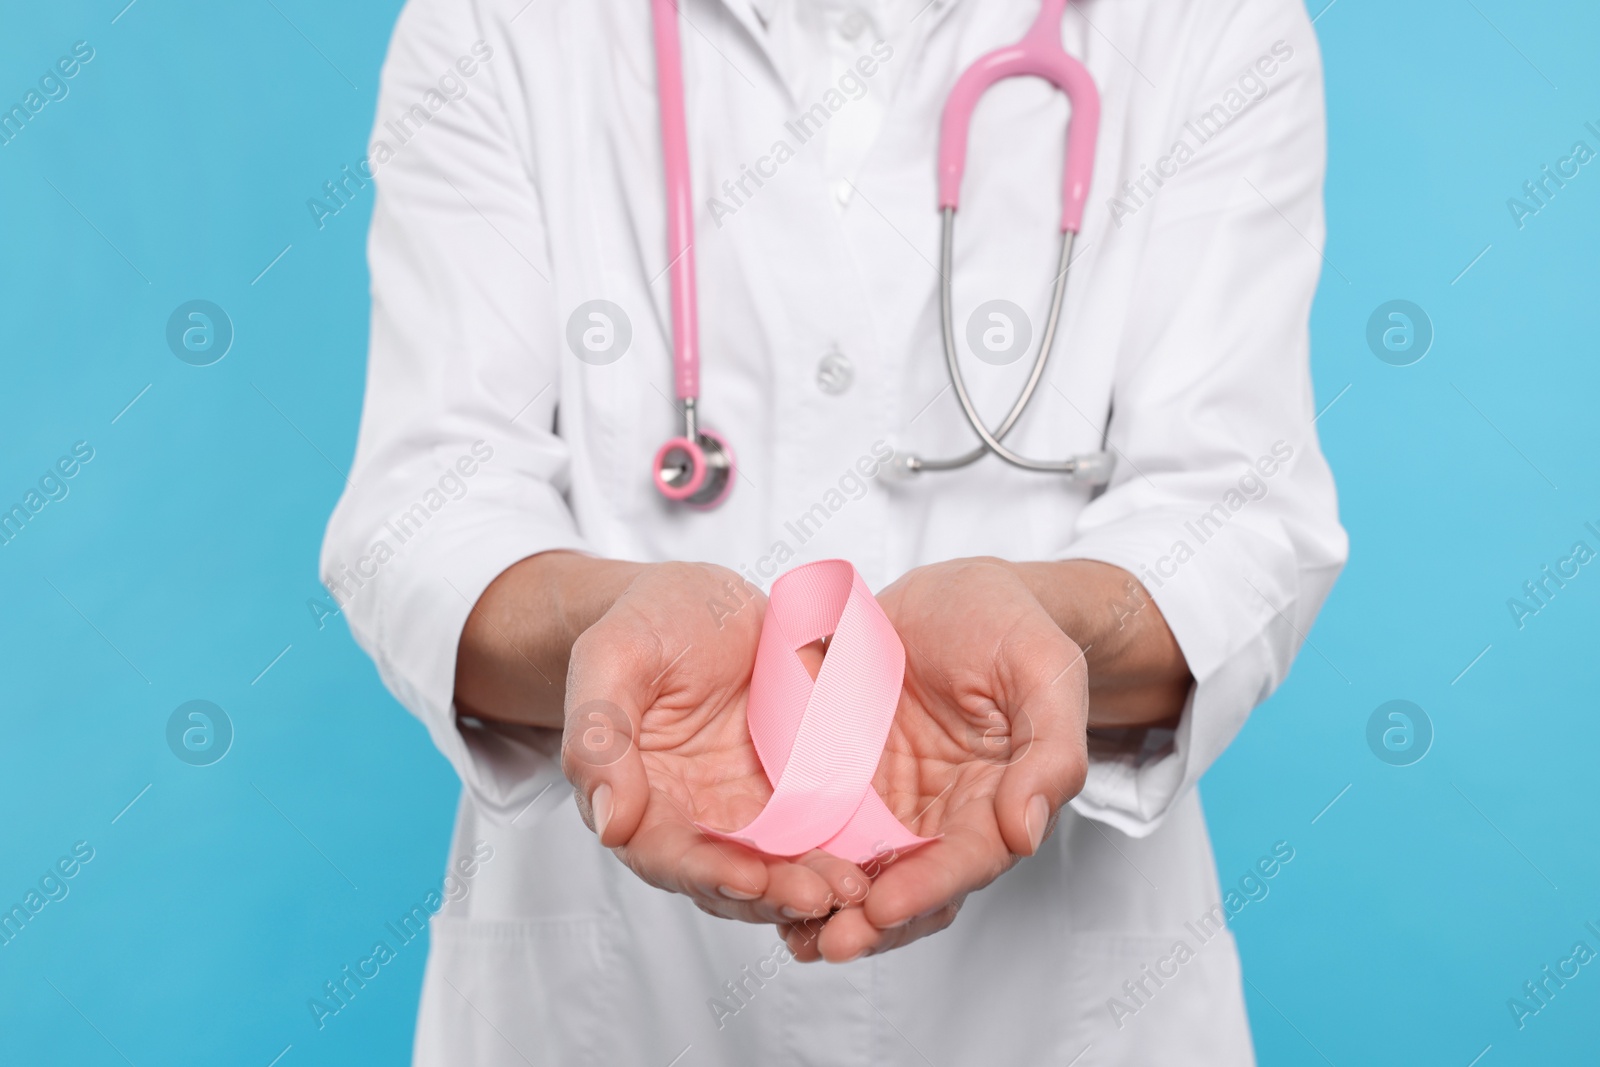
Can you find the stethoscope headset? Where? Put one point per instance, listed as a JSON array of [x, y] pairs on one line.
[[697, 468]]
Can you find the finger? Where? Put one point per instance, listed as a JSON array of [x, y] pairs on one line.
[[847, 883], [792, 894], [756, 913], [804, 936], [670, 853], [850, 936], [968, 857], [1048, 705], [611, 795], [810, 887], [920, 927], [796, 891], [801, 939], [608, 688], [760, 911]]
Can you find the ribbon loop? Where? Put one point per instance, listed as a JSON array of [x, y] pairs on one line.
[[820, 742]]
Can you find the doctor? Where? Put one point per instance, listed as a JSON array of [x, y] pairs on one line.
[[1077, 656]]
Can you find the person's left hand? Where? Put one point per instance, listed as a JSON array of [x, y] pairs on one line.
[[988, 742]]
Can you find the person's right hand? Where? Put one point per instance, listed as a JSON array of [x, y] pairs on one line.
[[656, 740]]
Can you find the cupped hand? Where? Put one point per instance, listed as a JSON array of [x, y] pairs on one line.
[[988, 742], [656, 740]]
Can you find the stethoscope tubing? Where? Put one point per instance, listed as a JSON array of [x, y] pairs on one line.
[[1093, 467], [1025, 397], [679, 202], [698, 467]]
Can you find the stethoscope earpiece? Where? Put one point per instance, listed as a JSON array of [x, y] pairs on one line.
[[902, 468]]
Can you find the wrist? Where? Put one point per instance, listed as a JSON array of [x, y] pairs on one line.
[[1138, 675], [582, 588], [1067, 595], [512, 659]]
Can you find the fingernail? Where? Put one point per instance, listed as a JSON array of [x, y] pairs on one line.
[[600, 805], [1035, 819], [737, 894], [796, 913], [913, 918]]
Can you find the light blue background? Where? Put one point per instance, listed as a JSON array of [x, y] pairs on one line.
[[180, 564]]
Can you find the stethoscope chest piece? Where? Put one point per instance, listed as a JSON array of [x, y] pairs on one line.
[[697, 470]]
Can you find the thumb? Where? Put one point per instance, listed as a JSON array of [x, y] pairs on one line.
[[606, 697], [1047, 759]]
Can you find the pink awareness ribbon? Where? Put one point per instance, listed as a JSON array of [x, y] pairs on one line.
[[820, 742]]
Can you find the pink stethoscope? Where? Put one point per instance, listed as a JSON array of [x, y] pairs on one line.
[[698, 467]]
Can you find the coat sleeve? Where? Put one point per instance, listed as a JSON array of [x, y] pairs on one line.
[[458, 473], [1222, 503]]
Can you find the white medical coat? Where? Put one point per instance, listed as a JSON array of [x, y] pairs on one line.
[[517, 158]]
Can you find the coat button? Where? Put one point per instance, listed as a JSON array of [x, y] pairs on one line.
[[834, 373]]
